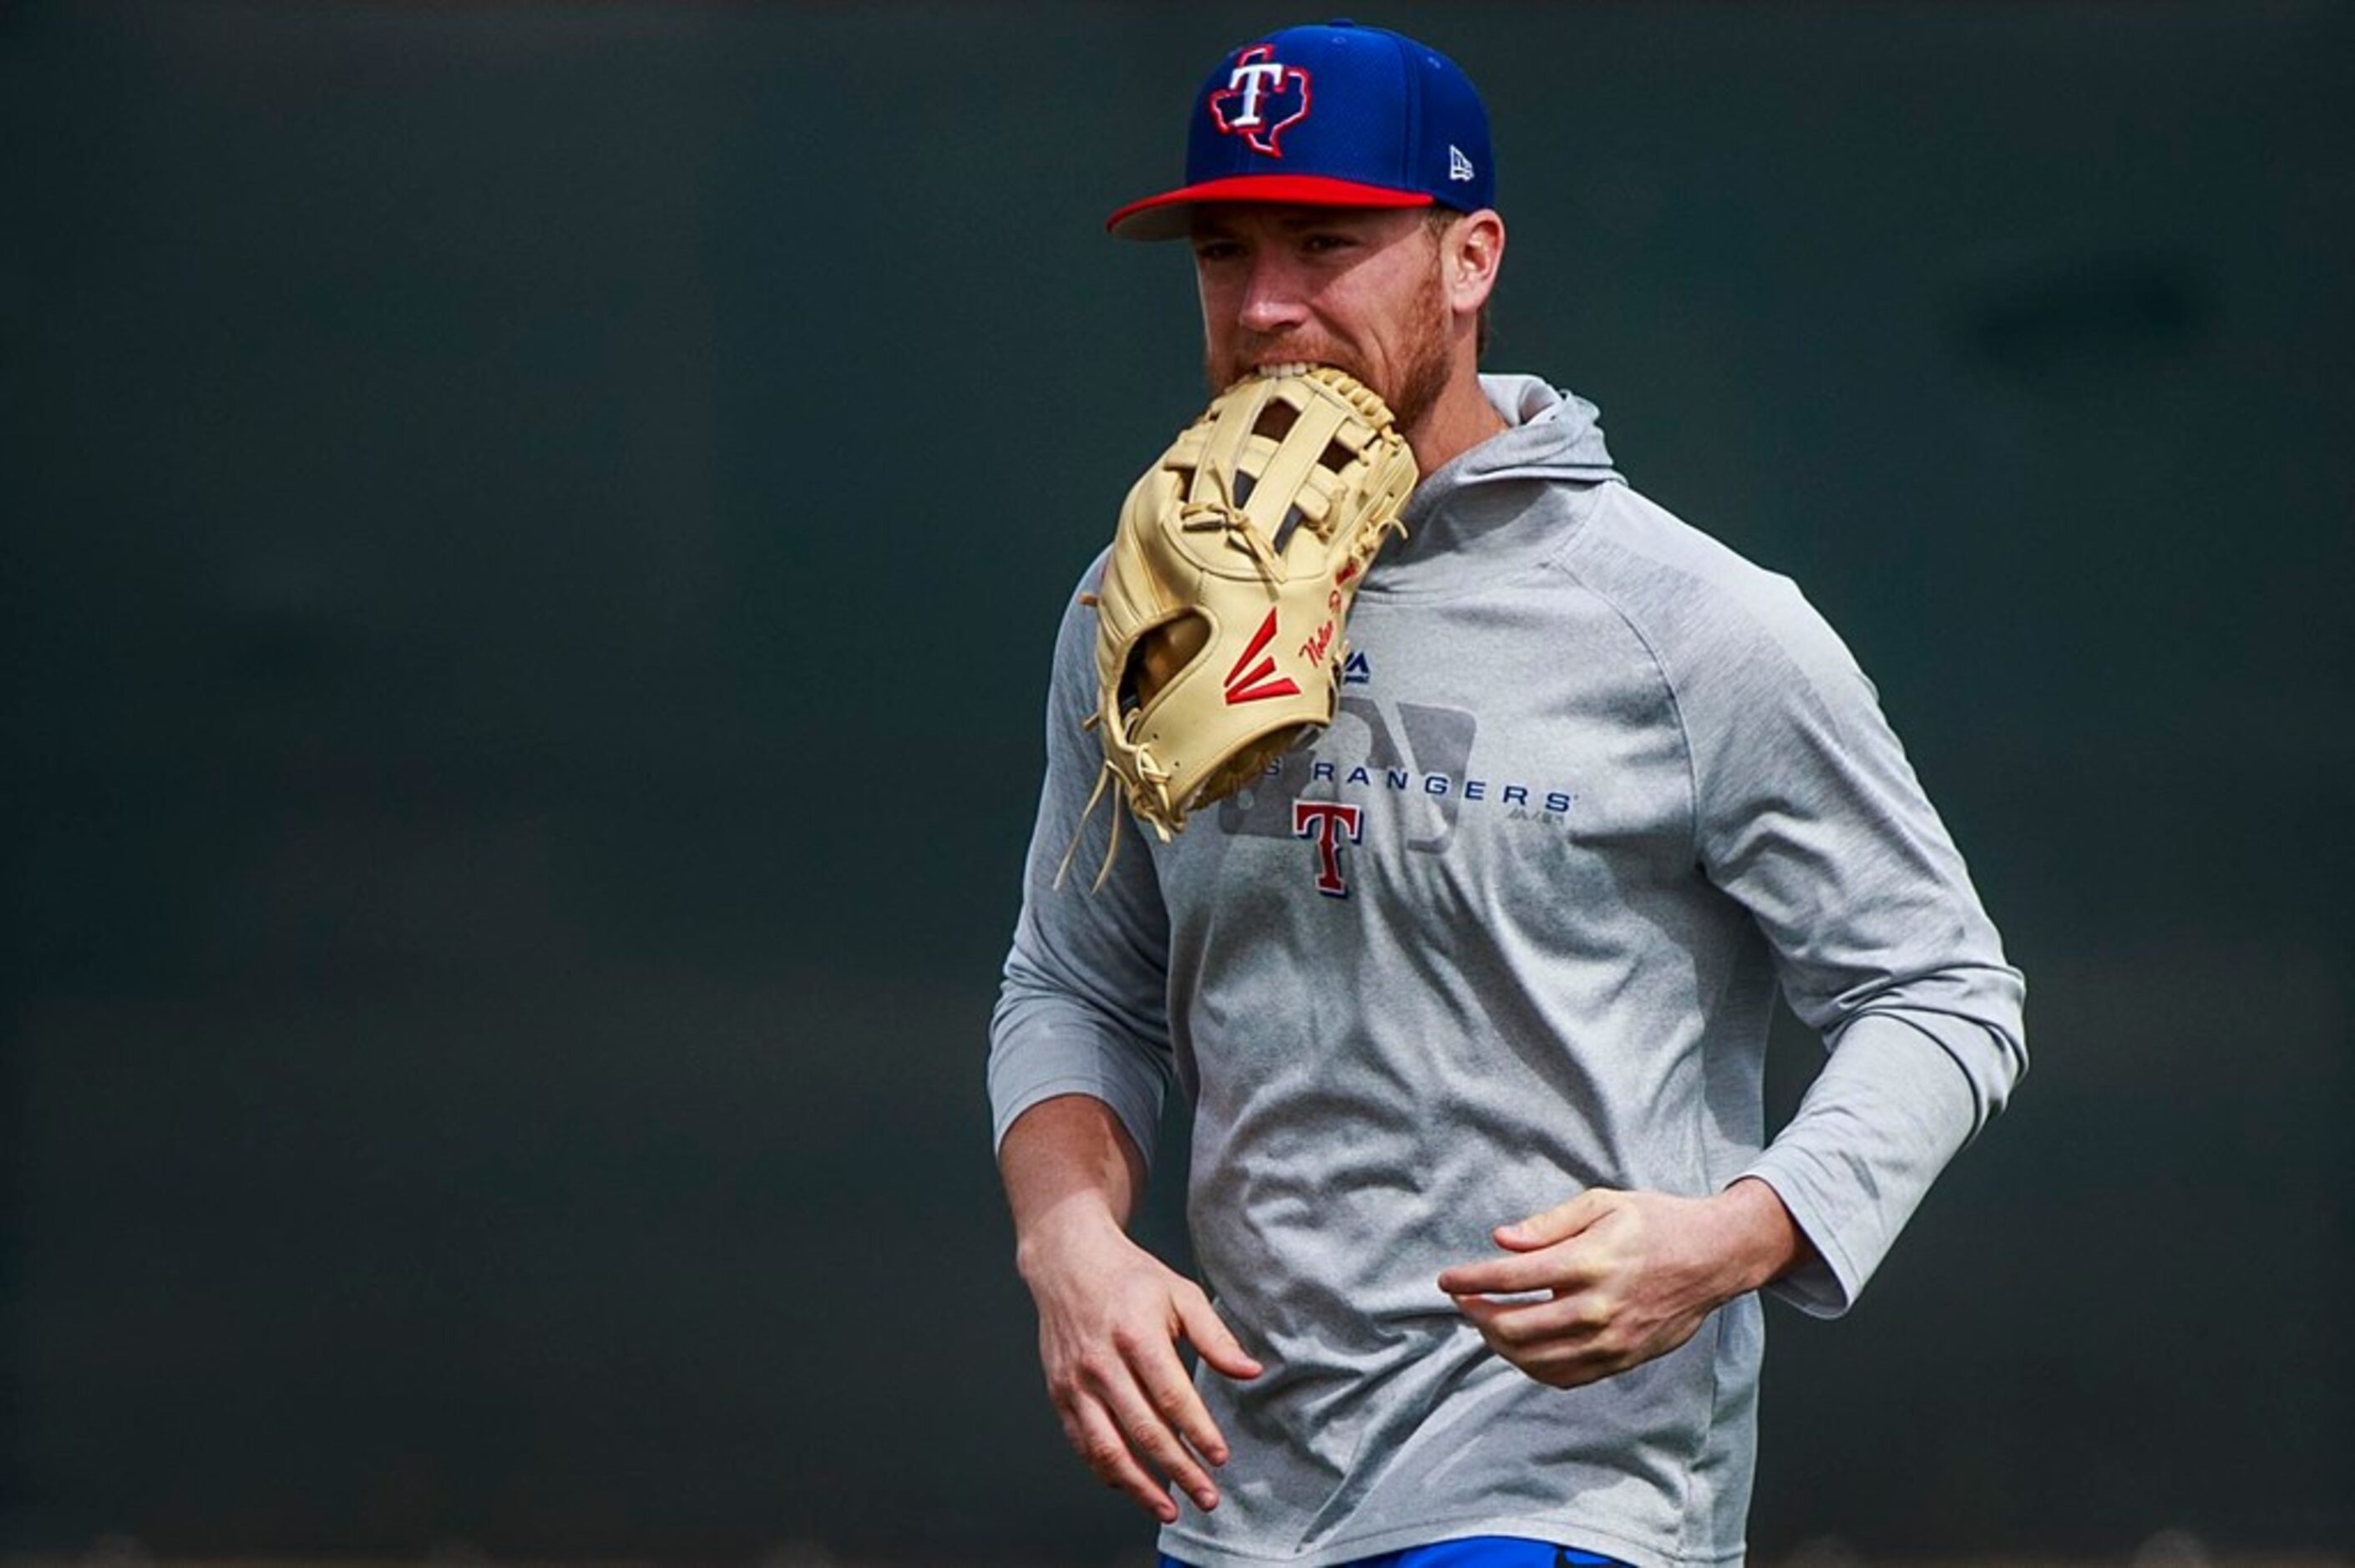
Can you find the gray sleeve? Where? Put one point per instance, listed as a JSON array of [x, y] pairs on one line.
[[1083, 1005], [1809, 815]]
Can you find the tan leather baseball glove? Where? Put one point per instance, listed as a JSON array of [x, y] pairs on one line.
[[1220, 632]]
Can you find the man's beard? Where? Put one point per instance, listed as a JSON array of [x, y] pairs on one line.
[[1423, 369]]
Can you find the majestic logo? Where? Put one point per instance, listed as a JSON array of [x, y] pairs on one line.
[[1263, 97], [1358, 672], [1328, 823], [1249, 683]]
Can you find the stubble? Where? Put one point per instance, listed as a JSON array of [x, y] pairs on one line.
[[1422, 365]]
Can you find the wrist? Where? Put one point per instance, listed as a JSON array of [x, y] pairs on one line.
[[1768, 1243], [1079, 1223]]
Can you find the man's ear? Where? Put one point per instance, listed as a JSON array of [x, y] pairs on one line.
[[1471, 253]]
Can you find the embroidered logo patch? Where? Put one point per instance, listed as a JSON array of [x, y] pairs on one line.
[[1328, 823], [1263, 97]]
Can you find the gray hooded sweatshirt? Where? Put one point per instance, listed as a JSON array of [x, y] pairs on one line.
[[1512, 928]]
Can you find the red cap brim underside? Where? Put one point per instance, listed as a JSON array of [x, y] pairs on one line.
[[1169, 214]]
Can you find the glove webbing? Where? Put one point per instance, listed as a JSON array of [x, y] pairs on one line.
[[1292, 472]]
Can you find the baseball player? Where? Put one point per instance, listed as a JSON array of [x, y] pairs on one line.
[[1470, 991]]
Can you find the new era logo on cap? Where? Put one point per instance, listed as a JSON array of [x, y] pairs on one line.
[[1333, 115]]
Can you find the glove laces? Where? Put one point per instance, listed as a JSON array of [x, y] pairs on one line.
[[1210, 516], [1153, 773]]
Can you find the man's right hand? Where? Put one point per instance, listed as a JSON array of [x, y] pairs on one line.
[[1110, 1316]]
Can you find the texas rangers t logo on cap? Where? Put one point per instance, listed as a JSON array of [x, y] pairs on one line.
[[1264, 96]]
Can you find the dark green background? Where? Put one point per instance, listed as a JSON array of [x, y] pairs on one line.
[[532, 534]]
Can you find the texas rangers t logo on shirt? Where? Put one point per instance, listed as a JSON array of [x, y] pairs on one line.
[[1262, 96], [1328, 823]]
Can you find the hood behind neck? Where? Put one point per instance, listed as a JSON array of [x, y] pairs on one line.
[[1476, 514]]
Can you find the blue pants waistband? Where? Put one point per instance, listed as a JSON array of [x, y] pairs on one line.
[[1474, 1551]]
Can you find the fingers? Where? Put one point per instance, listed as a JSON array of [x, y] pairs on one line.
[[1518, 1272], [1172, 1392], [1513, 1326], [1210, 1338], [1531, 1265], [1129, 1404], [1099, 1443], [1564, 1342], [1112, 1323], [1150, 1409], [1558, 1224]]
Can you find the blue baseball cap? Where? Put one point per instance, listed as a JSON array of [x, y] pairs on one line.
[[1337, 115]]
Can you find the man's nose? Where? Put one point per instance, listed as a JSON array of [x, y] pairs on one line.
[[1271, 297]]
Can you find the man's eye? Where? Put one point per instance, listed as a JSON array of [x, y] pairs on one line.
[[1324, 242], [1216, 250]]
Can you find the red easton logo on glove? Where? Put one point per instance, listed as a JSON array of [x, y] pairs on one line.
[[1249, 683], [1258, 103]]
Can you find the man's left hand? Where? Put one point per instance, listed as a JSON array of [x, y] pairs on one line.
[[1628, 1275]]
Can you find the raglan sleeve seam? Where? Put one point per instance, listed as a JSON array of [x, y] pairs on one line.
[[1676, 710]]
